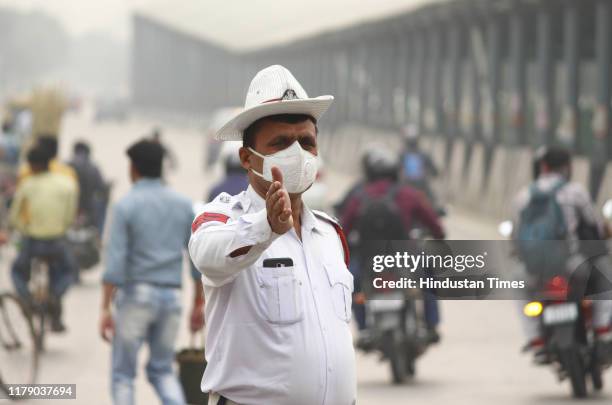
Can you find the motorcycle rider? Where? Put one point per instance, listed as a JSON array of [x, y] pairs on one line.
[[359, 310], [412, 205], [552, 168], [417, 167], [92, 188]]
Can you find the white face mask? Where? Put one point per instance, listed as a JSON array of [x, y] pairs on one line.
[[299, 167]]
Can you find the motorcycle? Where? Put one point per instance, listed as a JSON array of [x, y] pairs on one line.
[[396, 325], [397, 330], [569, 342], [565, 322]]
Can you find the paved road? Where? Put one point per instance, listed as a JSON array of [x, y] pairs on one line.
[[478, 361]]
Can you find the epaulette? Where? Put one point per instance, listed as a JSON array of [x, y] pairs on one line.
[[326, 217]]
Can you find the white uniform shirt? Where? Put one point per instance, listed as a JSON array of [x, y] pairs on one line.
[[275, 336]]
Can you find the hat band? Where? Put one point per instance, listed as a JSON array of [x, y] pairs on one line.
[[272, 100]]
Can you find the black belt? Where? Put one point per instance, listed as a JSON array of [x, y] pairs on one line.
[[222, 400]]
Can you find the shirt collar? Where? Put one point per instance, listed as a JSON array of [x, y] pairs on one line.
[[551, 175], [310, 221], [148, 182], [250, 200], [550, 178]]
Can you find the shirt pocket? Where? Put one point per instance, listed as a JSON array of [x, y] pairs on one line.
[[282, 295], [341, 284]]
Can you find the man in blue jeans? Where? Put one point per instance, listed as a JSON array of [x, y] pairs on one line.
[[149, 234]]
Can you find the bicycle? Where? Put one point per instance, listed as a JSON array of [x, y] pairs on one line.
[[19, 349], [39, 289]]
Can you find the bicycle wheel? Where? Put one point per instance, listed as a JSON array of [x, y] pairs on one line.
[[18, 348], [39, 288]]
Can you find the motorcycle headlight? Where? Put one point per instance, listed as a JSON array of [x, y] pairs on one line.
[[533, 309]]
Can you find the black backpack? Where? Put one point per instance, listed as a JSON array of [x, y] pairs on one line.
[[379, 218]]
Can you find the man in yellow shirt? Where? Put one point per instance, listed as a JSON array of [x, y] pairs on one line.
[[43, 208], [49, 144]]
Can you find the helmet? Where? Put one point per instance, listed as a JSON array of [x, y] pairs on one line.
[[380, 162], [410, 132], [557, 158]]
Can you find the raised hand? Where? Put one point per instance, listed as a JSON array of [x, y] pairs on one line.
[[278, 204]]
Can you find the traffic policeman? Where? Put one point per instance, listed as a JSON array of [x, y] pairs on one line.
[[275, 272]]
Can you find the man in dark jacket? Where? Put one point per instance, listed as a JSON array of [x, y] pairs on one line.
[[93, 190], [381, 166]]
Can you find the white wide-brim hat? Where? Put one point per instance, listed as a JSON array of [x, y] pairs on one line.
[[273, 91]]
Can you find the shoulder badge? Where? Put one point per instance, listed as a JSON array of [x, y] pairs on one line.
[[225, 198]]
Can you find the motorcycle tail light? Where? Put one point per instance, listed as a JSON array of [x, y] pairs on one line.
[[556, 289], [533, 309]]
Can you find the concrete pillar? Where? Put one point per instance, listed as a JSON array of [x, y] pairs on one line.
[[491, 107], [519, 67], [407, 43], [417, 104], [490, 119], [435, 80], [568, 127], [545, 117], [370, 81], [361, 78], [602, 146], [454, 55]]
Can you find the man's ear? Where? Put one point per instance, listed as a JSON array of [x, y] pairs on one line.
[[245, 155], [134, 175]]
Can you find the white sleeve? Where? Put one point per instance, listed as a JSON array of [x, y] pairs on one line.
[[212, 243]]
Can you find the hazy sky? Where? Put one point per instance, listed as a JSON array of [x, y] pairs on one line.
[[236, 23], [82, 16]]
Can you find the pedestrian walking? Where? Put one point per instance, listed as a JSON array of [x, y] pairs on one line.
[[149, 233]]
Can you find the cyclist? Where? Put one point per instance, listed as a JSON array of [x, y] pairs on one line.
[[43, 209]]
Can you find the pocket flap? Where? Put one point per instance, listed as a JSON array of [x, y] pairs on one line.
[[338, 273]]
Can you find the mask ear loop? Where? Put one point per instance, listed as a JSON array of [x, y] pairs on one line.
[[253, 151], [255, 172], [256, 153]]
